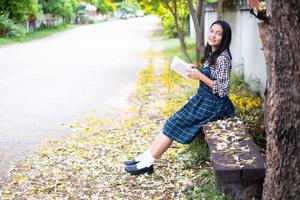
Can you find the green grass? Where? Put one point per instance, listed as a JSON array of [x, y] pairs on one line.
[[172, 48], [207, 188], [36, 34], [196, 153]]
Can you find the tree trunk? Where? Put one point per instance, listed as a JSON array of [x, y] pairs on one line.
[[220, 10], [264, 30], [181, 40], [196, 16], [178, 28], [283, 102]]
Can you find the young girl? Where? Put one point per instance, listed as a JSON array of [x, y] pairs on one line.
[[209, 104]]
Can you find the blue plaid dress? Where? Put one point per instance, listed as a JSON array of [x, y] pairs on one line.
[[204, 107]]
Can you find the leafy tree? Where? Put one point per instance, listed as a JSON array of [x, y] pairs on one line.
[[92, 2], [19, 10], [174, 15], [64, 8], [180, 13], [104, 6]]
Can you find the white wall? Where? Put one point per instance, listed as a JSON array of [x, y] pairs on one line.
[[246, 46]]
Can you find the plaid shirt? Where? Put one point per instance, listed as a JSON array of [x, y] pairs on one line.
[[220, 73]]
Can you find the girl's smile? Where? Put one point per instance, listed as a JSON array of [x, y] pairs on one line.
[[215, 36]]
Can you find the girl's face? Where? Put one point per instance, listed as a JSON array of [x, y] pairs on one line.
[[215, 35]]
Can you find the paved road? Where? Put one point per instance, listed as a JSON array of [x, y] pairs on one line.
[[60, 79]]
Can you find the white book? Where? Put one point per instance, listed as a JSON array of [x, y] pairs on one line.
[[180, 66]]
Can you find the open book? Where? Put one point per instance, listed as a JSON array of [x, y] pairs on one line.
[[180, 66]]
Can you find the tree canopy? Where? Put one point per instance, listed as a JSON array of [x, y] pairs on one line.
[[19, 10]]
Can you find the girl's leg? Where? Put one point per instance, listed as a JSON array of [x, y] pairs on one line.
[[157, 148], [160, 145]]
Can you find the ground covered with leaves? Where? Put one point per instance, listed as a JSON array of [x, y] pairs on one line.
[[88, 164]]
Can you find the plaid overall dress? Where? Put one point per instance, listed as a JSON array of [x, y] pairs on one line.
[[204, 107]]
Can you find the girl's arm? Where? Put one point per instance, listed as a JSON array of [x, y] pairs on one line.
[[220, 85], [196, 74]]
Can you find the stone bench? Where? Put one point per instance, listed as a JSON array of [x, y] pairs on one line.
[[238, 165]]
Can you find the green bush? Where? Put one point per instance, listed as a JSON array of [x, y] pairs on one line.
[[19, 10], [248, 106], [63, 8], [91, 21], [9, 29]]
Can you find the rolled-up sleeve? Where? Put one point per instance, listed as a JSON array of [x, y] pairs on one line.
[[222, 76]]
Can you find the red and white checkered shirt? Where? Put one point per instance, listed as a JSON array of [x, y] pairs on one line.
[[220, 73]]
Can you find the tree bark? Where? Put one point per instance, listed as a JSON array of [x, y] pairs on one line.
[[196, 16], [220, 10], [282, 104], [181, 40]]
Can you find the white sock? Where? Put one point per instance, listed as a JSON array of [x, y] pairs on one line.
[[146, 162], [142, 156]]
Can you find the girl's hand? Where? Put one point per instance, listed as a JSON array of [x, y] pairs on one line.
[[193, 65], [194, 74]]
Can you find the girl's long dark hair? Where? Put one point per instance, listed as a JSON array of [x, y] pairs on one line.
[[226, 39]]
